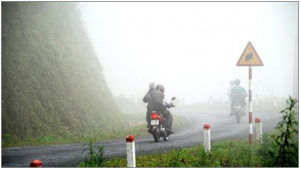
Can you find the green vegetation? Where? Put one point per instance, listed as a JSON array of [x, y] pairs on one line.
[[9, 141], [52, 83], [285, 152], [93, 159], [226, 153]]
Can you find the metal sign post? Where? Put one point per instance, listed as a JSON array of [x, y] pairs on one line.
[[250, 107], [250, 58]]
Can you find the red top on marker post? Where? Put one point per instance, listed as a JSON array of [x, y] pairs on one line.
[[206, 126], [35, 163], [257, 120], [129, 139]]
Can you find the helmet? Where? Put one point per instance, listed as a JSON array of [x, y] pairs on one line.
[[160, 88], [152, 85], [237, 82]]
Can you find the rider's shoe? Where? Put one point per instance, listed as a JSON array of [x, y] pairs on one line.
[[149, 130], [169, 131]]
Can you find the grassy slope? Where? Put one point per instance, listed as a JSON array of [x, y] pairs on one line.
[[52, 82]]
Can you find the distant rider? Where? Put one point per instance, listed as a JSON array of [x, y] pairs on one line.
[[151, 97], [167, 114], [231, 83], [238, 93]]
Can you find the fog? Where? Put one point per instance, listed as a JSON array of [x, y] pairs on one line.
[[192, 48]]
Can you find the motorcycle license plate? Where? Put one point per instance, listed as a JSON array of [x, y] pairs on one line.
[[237, 107], [154, 122]]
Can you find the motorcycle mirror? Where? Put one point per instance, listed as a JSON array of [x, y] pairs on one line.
[[173, 98]]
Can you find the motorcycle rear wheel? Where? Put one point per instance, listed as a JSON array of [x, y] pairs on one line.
[[238, 118], [156, 134]]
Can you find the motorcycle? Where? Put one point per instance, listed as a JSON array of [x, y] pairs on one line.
[[158, 124], [238, 110]]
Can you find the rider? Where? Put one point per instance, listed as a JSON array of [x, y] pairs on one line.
[[167, 114], [151, 97], [231, 83], [238, 93]]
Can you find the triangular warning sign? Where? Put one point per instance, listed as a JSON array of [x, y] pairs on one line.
[[249, 57]]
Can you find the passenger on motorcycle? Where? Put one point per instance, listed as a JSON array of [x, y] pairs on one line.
[[238, 93], [166, 113], [153, 97], [231, 83]]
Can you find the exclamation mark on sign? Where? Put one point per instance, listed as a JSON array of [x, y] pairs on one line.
[[249, 56]]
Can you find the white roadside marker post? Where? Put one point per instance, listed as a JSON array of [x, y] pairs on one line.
[[258, 128], [206, 137], [130, 150]]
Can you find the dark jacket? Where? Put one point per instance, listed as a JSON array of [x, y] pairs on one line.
[[238, 93], [154, 100]]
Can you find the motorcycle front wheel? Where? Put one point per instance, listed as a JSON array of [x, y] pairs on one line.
[[156, 134]]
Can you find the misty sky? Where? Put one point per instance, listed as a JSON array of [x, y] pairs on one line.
[[192, 47]]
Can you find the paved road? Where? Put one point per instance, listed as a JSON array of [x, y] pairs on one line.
[[222, 127]]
